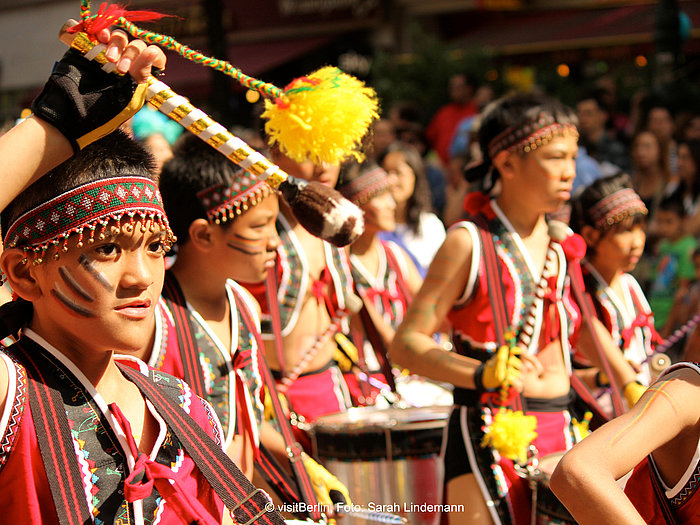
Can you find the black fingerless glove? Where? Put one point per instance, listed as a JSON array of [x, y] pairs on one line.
[[84, 102]]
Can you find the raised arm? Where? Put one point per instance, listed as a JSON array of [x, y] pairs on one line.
[[33, 147], [38, 144]]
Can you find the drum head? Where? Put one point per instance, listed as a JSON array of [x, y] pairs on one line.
[[368, 433]]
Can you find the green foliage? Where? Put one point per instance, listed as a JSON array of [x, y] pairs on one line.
[[422, 76]]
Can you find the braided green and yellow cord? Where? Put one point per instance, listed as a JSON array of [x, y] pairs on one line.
[[266, 89]]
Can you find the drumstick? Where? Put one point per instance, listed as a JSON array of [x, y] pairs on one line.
[[319, 209], [353, 305], [370, 515], [677, 335]]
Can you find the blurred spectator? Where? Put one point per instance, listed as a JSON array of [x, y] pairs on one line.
[[687, 187], [156, 132], [418, 231], [600, 142], [441, 129], [406, 117], [674, 270], [382, 135], [649, 172], [466, 129], [659, 120], [691, 128]]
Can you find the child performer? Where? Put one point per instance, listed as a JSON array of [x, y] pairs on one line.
[[225, 224], [85, 438], [384, 275], [661, 435], [529, 143], [310, 286], [610, 216]]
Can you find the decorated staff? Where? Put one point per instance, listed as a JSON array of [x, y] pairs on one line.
[[322, 116], [321, 210]]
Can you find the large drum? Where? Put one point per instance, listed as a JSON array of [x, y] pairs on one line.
[[389, 459]]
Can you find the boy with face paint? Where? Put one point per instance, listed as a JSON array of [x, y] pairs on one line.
[[86, 437], [311, 292], [224, 220]]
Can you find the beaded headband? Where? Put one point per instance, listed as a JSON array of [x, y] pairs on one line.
[[616, 207], [530, 136], [223, 202], [366, 186], [90, 206]]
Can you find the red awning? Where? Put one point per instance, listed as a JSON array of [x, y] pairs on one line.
[[533, 31]]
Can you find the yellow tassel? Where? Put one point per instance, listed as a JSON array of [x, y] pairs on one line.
[[581, 428], [510, 434], [322, 117]]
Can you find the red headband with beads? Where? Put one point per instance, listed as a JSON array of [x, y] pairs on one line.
[[529, 136], [88, 207]]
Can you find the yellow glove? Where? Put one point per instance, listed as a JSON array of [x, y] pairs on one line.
[[632, 391], [269, 410], [323, 482], [350, 349], [501, 370]]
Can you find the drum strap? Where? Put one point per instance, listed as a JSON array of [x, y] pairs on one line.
[[274, 473], [55, 444], [271, 286], [585, 304], [184, 331], [65, 475], [666, 509], [495, 287], [175, 299], [394, 266], [247, 503], [377, 343]]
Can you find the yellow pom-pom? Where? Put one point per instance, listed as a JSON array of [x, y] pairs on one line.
[[322, 117], [510, 434]]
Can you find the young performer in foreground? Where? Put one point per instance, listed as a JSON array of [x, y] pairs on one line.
[[529, 144], [661, 436], [225, 225], [86, 438]]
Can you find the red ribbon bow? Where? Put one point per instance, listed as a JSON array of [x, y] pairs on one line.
[[643, 320], [147, 473], [386, 296]]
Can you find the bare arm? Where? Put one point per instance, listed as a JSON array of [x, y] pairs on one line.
[[413, 346], [33, 147], [585, 479], [622, 370]]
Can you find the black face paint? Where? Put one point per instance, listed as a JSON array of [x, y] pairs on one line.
[[80, 310], [242, 250], [68, 278], [89, 267]]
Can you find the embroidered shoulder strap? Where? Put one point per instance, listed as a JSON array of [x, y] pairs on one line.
[[396, 268], [586, 305], [247, 503], [495, 287], [184, 331], [666, 509], [55, 443], [302, 490]]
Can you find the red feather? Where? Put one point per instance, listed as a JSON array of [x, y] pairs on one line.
[[108, 14]]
